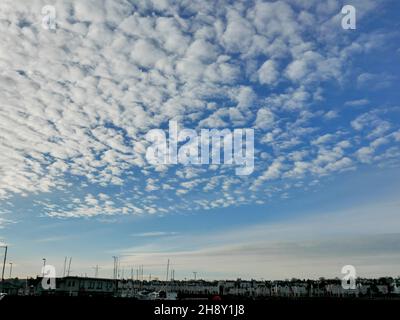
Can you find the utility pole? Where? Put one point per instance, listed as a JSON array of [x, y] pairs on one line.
[[115, 276], [195, 275], [96, 271], [166, 279], [4, 263], [116, 267], [65, 266], [44, 265], [11, 264], [69, 266]]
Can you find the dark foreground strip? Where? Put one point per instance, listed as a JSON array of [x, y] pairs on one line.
[[76, 308]]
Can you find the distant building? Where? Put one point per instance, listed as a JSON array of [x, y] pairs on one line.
[[14, 287], [76, 286], [251, 289]]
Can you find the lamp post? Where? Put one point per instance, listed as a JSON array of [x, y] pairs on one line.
[[11, 264], [4, 265], [44, 264]]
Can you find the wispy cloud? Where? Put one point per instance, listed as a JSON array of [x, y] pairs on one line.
[[366, 236], [357, 103], [154, 234], [55, 238]]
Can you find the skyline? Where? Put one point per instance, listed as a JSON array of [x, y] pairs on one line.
[[78, 100]]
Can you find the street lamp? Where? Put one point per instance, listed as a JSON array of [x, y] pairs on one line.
[[44, 265], [4, 265]]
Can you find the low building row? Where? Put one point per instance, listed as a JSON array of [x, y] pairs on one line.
[[86, 286]]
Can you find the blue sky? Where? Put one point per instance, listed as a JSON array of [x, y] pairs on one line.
[[77, 102]]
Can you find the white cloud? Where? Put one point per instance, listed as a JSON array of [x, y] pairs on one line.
[[323, 139], [357, 103], [267, 74], [265, 119], [238, 33], [297, 70], [146, 54], [331, 114]]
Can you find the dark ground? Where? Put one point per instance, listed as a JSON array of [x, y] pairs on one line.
[[316, 308]]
